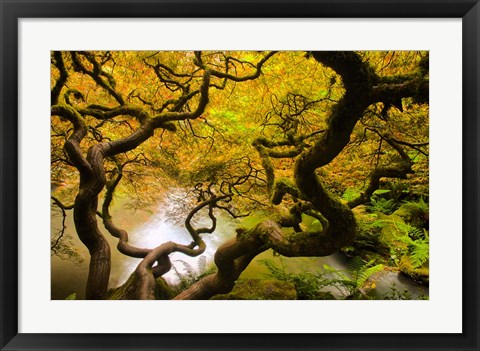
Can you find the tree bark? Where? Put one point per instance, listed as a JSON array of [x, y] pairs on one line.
[[362, 89]]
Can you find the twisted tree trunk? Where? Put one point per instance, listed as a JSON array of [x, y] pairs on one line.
[[362, 88]]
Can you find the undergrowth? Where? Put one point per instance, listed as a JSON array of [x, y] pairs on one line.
[[190, 275], [349, 284]]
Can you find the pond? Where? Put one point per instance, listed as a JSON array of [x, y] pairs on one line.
[[148, 230]]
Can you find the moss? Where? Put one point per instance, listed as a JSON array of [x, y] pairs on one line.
[[163, 291], [281, 187], [254, 219], [256, 289], [420, 274], [369, 236], [286, 184], [414, 214], [242, 232], [127, 291], [377, 258], [300, 239], [391, 233], [123, 292]]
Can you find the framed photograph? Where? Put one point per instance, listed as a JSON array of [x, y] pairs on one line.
[[239, 175]]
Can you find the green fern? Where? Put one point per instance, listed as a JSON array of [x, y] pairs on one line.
[[276, 272], [72, 296], [410, 231], [189, 276], [396, 294], [419, 253], [309, 285], [415, 241], [350, 194], [406, 230], [420, 205], [415, 213], [367, 273], [381, 191], [382, 205], [361, 271], [184, 281]]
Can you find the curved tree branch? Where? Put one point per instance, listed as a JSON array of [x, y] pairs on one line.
[[96, 74], [62, 79], [258, 68]]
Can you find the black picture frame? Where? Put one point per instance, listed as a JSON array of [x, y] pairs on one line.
[[12, 11]]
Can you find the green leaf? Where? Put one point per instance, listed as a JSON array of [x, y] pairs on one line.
[[71, 297], [381, 191]]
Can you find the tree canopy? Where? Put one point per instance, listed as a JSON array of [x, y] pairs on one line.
[[291, 135]]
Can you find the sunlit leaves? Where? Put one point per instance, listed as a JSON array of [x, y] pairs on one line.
[[293, 97]]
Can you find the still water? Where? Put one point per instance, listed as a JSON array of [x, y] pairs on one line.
[[151, 228], [146, 229]]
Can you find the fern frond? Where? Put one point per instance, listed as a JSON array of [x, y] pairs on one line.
[[355, 265], [275, 271], [420, 253], [190, 272], [381, 191], [350, 194], [202, 264], [382, 205], [366, 273], [419, 205]]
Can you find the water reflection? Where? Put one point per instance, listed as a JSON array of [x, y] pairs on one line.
[[160, 229], [149, 231], [145, 230]]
